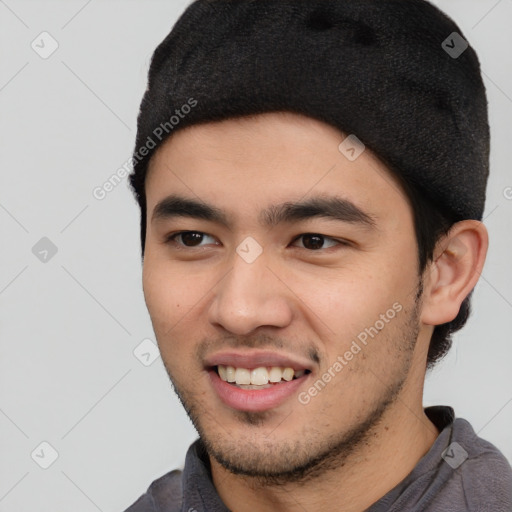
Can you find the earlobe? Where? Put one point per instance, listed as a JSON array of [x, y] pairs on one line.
[[456, 267]]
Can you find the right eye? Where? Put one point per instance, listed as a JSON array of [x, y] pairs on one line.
[[189, 239]]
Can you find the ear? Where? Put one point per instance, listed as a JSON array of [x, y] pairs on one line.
[[457, 263]]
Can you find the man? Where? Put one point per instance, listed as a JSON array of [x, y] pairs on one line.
[[311, 176]]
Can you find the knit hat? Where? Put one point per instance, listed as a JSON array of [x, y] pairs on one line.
[[398, 74]]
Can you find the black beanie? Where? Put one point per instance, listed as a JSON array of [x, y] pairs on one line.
[[398, 74]]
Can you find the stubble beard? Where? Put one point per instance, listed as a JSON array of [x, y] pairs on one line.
[[314, 454]]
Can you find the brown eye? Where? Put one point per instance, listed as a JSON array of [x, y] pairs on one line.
[[188, 238], [191, 238], [315, 241]]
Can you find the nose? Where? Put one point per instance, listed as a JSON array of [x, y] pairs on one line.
[[250, 295]]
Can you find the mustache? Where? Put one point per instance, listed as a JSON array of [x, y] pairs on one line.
[[261, 341]]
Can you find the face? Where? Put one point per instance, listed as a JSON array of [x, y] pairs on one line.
[[271, 255]]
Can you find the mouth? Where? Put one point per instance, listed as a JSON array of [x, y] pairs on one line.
[[256, 382], [258, 378]]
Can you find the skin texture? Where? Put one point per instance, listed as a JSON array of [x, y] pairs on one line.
[[366, 429]]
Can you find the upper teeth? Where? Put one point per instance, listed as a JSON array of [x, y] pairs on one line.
[[258, 376]]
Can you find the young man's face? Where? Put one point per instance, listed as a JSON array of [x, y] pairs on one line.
[[345, 293]]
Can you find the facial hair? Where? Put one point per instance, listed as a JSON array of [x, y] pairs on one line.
[[297, 461]]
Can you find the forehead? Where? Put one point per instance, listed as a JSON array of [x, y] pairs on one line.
[[243, 162]]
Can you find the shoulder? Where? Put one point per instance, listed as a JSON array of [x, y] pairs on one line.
[[164, 494], [480, 471]]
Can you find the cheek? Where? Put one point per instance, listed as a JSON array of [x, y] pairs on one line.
[[169, 293], [170, 296], [354, 304], [351, 297]]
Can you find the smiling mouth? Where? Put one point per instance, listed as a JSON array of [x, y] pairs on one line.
[[258, 378]]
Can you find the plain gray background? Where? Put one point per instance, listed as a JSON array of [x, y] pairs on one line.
[[71, 321]]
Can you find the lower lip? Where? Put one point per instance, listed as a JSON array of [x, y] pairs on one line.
[[254, 400]]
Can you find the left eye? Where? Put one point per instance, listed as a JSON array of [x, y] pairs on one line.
[[315, 241], [311, 241]]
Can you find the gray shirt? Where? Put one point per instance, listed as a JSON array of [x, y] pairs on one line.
[[461, 472]]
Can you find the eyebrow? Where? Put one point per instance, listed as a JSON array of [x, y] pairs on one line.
[[333, 207]]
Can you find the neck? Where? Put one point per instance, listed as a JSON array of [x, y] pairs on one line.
[[381, 461]]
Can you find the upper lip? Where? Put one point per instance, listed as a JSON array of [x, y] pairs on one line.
[[255, 359]]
